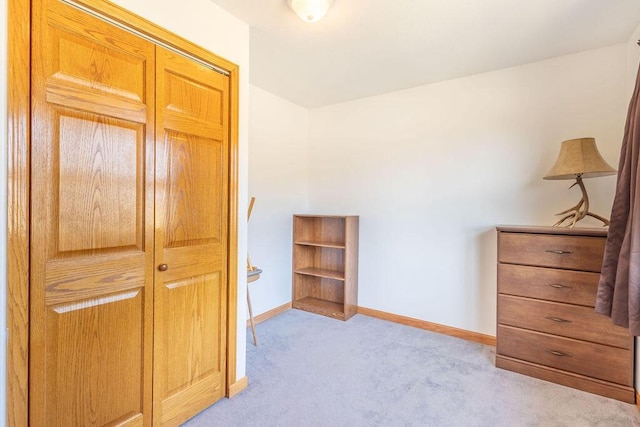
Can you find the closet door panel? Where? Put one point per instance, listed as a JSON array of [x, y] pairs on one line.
[[92, 221], [191, 237], [194, 205], [90, 335], [100, 196]]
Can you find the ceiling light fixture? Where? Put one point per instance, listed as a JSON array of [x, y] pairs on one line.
[[309, 10]]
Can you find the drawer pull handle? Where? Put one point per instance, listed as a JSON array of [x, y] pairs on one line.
[[559, 286], [558, 353], [558, 251], [558, 319]]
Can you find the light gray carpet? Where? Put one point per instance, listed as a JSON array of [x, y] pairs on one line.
[[311, 370]]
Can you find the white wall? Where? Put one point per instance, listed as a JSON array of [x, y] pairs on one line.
[[216, 30], [432, 170], [278, 178]]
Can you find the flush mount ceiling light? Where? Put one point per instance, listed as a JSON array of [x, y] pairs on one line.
[[309, 10]]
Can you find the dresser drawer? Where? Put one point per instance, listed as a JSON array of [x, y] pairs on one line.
[[550, 250], [567, 320], [573, 287], [593, 360]]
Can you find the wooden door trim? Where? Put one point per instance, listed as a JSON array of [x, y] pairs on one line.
[[232, 273], [18, 141], [18, 137]]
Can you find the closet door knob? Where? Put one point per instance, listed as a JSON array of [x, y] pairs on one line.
[[163, 267]]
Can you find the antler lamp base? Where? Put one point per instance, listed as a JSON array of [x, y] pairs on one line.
[[579, 211]]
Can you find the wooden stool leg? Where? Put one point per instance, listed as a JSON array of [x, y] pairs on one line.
[[253, 324]]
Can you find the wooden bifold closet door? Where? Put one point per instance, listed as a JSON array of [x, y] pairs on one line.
[[191, 236], [129, 226]]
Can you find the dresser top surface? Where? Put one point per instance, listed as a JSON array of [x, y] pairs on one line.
[[577, 231], [324, 216]]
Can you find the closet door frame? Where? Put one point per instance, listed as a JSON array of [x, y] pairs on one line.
[[18, 190]]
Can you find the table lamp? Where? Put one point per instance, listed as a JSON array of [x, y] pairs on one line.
[[579, 158]]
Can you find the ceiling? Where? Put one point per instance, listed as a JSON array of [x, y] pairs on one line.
[[368, 47]]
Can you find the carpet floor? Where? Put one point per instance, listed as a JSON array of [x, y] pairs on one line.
[[311, 370]]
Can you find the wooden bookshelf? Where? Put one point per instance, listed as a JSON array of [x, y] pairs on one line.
[[325, 264]]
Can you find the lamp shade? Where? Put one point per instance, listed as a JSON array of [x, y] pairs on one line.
[[579, 157], [310, 10]]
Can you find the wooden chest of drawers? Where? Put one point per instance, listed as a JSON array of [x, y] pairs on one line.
[[547, 326]]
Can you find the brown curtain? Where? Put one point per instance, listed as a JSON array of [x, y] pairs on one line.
[[619, 287]]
